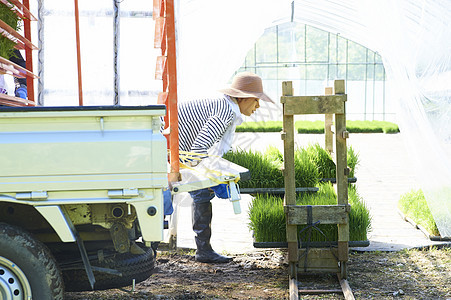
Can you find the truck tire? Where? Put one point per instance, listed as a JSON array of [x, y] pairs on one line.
[[138, 267], [27, 266]]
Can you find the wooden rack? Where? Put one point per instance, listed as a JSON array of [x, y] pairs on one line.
[[316, 260], [22, 42], [166, 70]]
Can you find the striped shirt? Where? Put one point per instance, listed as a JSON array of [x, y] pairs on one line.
[[203, 122]]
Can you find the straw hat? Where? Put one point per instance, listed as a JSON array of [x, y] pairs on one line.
[[246, 85]]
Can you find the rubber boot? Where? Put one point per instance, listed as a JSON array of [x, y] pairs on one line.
[[202, 214]]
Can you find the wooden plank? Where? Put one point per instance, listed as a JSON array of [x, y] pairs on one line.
[[326, 214], [294, 292], [23, 13], [328, 90], [328, 122], [14, 101], [317, 292], [296, 105], [160, 34], [14, 69], [343, 249], [319, 260], [342, 171], [161, 67], [339, 86], [347, 292], [289, 179], [163, 98], [329, 134], [158, 9], [288, 148], [341, 158], [15, 36], [25, 10]]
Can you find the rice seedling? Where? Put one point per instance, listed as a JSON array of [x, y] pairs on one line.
[[267, 218], [9, 17], [305, 171], [323, 161], [267, 126], [274, 156], [414, 205], [322, 232], [311, 164], [353, 160], [265, 168], [318, 127], [264, 174], [309, 126], [371, 127], [359, 217]]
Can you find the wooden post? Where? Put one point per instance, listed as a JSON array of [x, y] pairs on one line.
[[342, 178], [77, 42], [328, 122], [290, 185], [174, 175]]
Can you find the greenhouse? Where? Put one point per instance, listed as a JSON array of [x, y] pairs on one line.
[[348, 149]]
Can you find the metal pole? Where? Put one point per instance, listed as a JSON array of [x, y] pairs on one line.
[[77, 39], [116, 31], [40, 53], [28, 53]]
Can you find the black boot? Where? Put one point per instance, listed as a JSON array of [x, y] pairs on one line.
[[202, 214]]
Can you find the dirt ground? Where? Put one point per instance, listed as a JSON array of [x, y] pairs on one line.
[[408, 274]]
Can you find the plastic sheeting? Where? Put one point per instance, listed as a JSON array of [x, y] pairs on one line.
[[136, 55], [411, 36], [214, 37]]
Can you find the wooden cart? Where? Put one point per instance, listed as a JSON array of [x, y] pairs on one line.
[[332, 260]]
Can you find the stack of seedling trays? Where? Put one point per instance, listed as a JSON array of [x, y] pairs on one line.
[[313, 166]]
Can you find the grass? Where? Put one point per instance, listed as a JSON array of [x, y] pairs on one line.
[[267, 218], [414, 205], [318, 127]]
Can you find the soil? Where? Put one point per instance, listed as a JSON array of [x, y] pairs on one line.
[[407, 274]]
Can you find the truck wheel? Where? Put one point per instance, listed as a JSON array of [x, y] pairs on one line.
[[132, 266], [27, 268]]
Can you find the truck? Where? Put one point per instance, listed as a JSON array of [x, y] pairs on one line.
[[78, 187], [81, 197]]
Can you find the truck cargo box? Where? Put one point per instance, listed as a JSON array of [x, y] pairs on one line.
[[81, 148]]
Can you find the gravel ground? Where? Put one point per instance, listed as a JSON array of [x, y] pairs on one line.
[[406, 274]]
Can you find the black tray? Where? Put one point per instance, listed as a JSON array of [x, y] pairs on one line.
[[311, 244], [276, 190]]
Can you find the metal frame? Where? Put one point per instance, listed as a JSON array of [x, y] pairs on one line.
[[22, 42], [371, 61], [166, 70]]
